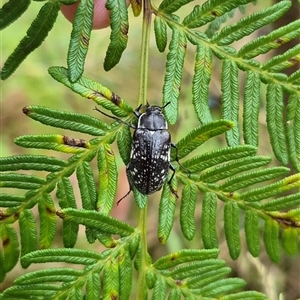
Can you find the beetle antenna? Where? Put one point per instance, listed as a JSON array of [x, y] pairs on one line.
[[113, 117]]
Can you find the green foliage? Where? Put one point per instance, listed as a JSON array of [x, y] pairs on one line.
[[255, 196]]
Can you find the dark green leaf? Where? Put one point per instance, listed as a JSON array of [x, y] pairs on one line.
[[11, 11], [35, 35], [67, 200], [28, 232], [80, 38], [208, 221], [275, 121], [119, 30], [96, 220], [199, 135], [230, 100], [187, 210], [108, 179], [271, 236], [160, 30], [202, 76], [231, 227], [252, 232], [67, 120], [47, 221], [173, 76], [251, 108]]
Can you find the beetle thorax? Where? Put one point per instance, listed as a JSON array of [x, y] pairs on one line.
[[153, 119]]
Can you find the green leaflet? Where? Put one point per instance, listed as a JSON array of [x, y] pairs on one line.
[[111, 279], [124, 140], [271, 236], [231, 227], [31, 162], [201, 162], [251, 295], [167, 207], [125, 274], [230, 100], [184, 256], [11, 11], [67, 120], [173, 76], [187, 210], [35, 35], [160, 30], [273, 40], [48, 219], [170, 6], [108, 179], [28, 232], [283, 61], [233, 167], [119, 30], [66, 255], [93, 286], [264, 192], [67, 200], [240, 181], [8, 200], [55, 142], [80, 38], [251, 108], [20, 181], [282, 202], [290, 240], [159, 289], [252, 232], [136, 6], [201, 79], [10, 248], [199, 135], [206, 277], [208, 221], [209, 11], [223, 286], [103, 223], [249, 24], [275, 122], [92, 90], [292, 126]]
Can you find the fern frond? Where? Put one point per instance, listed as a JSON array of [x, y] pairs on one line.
[[80, 38]]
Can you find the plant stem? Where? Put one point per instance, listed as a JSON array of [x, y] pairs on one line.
[[144, 68]]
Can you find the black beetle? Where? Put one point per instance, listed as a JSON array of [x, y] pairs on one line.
[[150, 151]]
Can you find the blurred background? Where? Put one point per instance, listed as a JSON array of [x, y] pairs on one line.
[[32, 85]]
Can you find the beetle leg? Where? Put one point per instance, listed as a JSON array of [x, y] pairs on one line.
[[115, 118], [177, 159], [170, 181]]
